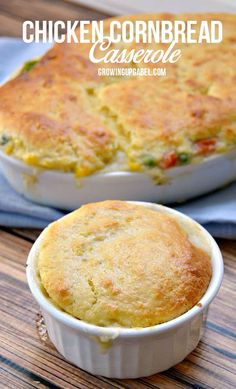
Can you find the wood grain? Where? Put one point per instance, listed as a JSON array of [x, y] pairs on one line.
[[14, 12], [26, 362]]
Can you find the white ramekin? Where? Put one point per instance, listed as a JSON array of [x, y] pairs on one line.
[[125, 352]]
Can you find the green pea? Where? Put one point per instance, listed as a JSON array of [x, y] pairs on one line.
[[28, 66], [184, 157], [149, 161], [4, 139]]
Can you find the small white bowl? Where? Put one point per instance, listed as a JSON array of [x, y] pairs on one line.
[[129, 352]]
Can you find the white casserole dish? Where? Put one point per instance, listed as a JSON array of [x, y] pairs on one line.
[[63, 190], [129, 353]]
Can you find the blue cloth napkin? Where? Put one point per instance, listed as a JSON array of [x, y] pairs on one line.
[[216, 211]]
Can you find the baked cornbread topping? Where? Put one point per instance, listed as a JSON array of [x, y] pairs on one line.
[[60, 114], [115, 263]]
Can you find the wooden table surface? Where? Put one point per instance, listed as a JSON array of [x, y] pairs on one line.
[[27, 362]]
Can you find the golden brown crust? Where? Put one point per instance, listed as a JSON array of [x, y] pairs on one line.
[[62, 115], [154, 123], [115, 263], [54, 124]]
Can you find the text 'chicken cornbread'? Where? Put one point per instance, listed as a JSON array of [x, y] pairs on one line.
[[117, 263], [61, 114]]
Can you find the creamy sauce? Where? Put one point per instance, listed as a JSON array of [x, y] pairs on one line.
[[105, 342]]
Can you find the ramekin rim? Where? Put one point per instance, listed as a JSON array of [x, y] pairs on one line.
[[80, 325]]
